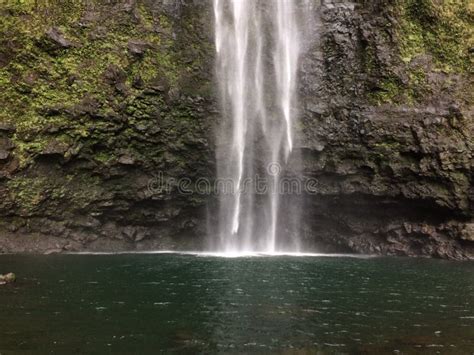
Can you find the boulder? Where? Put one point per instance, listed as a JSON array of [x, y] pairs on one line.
[[4, 154], [137, 48], [56, 36], [7, 278]]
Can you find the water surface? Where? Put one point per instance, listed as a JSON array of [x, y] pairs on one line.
[[189, 304]]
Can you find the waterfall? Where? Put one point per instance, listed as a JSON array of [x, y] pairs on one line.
[[257, 51]]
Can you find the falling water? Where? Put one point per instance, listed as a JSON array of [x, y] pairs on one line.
[[258, 46]]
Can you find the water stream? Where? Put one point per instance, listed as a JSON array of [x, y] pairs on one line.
[[258, 45]]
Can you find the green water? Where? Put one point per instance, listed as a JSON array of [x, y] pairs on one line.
[[190, 304]]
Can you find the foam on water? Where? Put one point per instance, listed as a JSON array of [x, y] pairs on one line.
[[228, 254]]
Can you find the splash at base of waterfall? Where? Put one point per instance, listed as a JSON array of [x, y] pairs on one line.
[[230, 254]]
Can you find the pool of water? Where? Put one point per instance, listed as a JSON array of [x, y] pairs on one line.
[[191, 304]]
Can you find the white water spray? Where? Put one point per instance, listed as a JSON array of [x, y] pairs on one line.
[[258, 47]]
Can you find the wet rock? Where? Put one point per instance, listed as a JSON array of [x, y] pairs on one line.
[[138, 82], [467, 233], [7, 278], [55, 148], [137, 47], [141, 234], [394, 171], [87, 106], [4, 154], [86, 222], [129, 232], [53, 251], [6, 146], [159, 84], [114, 74], [57, 39], [126, 160], [7, 127]]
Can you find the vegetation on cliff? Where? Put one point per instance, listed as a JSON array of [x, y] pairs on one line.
[[91, 89], [98, 97], [433, 38]]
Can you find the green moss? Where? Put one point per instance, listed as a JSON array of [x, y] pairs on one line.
[[443, 29], [84, 190], [393, 90], [104, 157], [146, 18], [418, 86], [387, 91], [35, 195], [94, 101], [385, 152], [30, 193], [34, 81]]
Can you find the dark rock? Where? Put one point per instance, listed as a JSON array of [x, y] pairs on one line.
[[7, 127], [159, 84], [4, 154], [130, 232], [6, 145], [86, 222], [141, 234], [58, 39], [55, 148], [114, 74], [53, 251], [137, 47], [138, 82], [88, 106], [389, 141]]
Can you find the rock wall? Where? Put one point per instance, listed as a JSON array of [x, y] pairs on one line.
[[103, 100], [388, 128], [100, 100]]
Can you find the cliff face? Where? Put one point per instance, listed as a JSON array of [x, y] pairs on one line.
[[388, 128], [100, 100], [103, 100]]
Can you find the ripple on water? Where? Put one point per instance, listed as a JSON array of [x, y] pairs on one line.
[[373, 305]]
